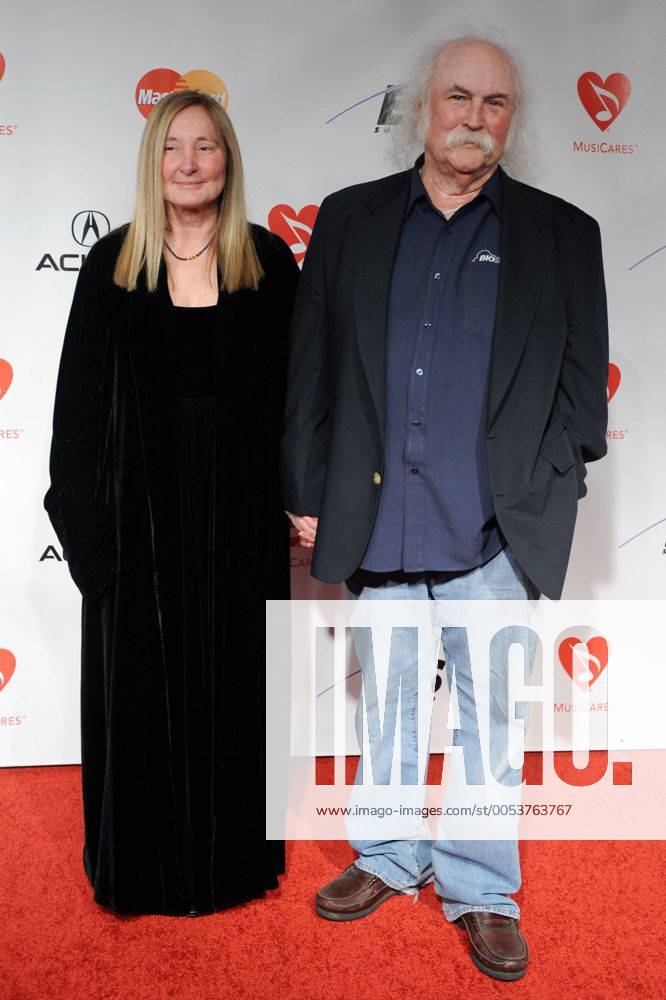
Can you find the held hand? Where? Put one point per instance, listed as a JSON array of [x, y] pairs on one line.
[[306, 527]]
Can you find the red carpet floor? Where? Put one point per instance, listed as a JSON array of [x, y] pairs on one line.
[[592, 913]]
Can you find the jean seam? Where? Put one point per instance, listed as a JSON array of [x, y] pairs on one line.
[[379, 874], [452, 913], [413, 847]]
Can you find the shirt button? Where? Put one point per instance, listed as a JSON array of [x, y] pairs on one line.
[[427, 323], [416, 423], [437, 276], [419, 371], [376, 478], [415, 472]]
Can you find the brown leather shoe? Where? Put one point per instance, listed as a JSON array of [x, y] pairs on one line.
[[353, 894], [497, 946]]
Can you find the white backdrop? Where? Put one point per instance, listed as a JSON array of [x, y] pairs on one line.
[[69, 135]]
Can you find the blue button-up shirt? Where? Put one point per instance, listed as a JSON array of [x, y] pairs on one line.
[[435, 507]]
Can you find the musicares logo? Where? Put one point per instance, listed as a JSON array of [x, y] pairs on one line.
[[612, 385], [7, 667], [6, 376], [294, 227], [5, 129], [296, 561], [584, 661], [614, 379], [603, 99], [157, 83]]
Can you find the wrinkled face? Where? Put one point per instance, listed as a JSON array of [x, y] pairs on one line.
[[194, 164], [471, 104]]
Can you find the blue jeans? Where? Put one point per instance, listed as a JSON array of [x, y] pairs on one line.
[[469, 875]]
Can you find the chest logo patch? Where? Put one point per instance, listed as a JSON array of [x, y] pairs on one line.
[[485, 255]]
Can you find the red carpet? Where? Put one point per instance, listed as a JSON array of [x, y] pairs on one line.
[[592, 914]]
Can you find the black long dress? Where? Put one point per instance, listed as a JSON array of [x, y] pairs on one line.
[[219, 842], [186, 539]]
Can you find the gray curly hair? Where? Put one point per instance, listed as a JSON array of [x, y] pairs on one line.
[[519, 158]]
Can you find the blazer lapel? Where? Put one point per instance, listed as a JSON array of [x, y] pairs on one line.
[[526, 254], [376, 236]]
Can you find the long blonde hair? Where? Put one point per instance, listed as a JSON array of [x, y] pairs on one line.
[[237, 261]]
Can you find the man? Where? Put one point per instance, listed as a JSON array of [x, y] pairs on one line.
[[449, 358]]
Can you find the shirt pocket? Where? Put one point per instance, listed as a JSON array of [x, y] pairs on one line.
[[479, 297]]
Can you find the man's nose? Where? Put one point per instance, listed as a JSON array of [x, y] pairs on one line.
[[474, 116]]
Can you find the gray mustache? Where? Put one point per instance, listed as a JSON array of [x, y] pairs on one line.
[[479, 139]]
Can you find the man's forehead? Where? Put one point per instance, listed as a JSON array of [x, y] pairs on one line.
[[474, 67]]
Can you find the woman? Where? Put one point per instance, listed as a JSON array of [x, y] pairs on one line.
[[165, 496]]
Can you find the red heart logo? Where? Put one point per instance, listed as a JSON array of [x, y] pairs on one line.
[[614, 379], [7, 666], [603, 99], [294, 227], [6, 376], [587, 667]]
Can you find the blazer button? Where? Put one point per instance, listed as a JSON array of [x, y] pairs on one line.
[[376, 478]]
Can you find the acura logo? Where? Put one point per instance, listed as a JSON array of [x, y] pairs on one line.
[[89, 226]]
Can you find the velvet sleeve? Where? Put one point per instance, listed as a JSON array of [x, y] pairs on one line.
[[79, 510], [286, 274]]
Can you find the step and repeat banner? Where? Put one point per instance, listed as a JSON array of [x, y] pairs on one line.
[[310, 87]]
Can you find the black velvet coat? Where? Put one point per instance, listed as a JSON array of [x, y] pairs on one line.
[[173, 775]]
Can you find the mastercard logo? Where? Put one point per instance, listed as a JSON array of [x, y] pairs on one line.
[[157, 83]]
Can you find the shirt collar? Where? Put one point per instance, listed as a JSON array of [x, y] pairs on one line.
[[492, 189]]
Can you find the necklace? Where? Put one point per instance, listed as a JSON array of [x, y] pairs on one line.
[[194, 255]]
